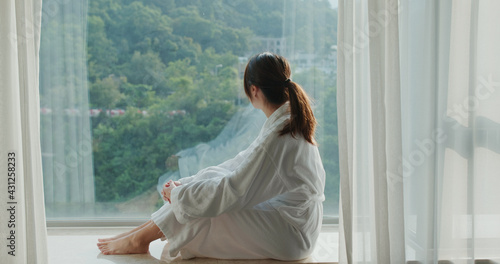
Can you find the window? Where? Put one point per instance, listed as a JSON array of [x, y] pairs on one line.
[[135, 92]]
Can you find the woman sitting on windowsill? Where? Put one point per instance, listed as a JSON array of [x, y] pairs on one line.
[[264, 203]]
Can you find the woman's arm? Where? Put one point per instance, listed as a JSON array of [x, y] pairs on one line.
[[253, 182], [214, 171]]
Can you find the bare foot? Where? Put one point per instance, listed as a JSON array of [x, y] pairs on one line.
[[124, 234], [123, 245], [135, 243]]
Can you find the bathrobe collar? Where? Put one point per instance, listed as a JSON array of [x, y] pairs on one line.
[[276, 118]]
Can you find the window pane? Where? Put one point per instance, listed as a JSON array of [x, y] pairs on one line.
[[137, 92]]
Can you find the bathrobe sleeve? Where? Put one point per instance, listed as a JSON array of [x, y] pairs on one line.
[[216, 171], [252, 182]]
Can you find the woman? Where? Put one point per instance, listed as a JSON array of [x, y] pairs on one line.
[[264, 203]]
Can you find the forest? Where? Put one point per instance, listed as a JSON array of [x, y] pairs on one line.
[[175, 69]]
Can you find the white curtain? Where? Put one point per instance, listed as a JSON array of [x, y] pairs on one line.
[[419, 131], [23, 232], [371, 202], [450, 72], [65, 123]]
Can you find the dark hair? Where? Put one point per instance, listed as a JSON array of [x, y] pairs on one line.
[[271, 74]]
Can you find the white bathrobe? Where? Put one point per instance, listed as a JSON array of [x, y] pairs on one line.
[[264, 203]]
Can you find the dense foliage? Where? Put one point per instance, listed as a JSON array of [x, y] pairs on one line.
[[174, 67]]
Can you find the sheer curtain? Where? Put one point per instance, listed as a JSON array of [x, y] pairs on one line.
[[23, 232], [451, 125], [419, 128], [65, 121], [371, 204]]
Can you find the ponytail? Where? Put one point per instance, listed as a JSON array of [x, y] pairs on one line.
[[271, 73], [302, 120]]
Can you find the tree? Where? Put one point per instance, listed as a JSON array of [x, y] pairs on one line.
[[147, 69], [176, 60], [102, 55], [105, 93]]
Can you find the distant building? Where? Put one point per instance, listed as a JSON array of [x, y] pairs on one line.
[[324, 63], [274, 45], [300, 62]]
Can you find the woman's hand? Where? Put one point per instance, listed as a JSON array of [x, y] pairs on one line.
[[167, 189]]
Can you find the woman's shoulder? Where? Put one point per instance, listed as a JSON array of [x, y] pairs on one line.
[[288, 144]]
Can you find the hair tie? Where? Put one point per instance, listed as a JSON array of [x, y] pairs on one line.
[[287, 81]]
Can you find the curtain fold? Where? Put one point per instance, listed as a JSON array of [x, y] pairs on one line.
[[24, 238], [66, 136], [451, 78], [370, 133], [419, 131]]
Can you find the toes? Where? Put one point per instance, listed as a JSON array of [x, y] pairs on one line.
[[102, 245], [105, 250], [108, 251]]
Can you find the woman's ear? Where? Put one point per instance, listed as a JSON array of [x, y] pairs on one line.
[[253, 90]]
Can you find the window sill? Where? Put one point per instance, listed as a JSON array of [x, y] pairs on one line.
[[78, 245], [328, 222]]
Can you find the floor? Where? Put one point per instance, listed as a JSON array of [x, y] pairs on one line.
[[78, 245]]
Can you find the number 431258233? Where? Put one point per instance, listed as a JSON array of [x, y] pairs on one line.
[[11, 174]]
